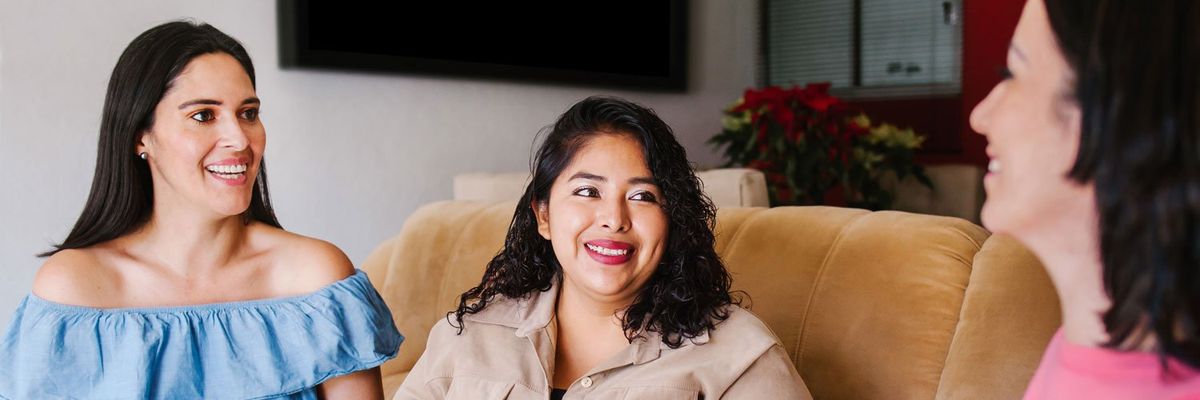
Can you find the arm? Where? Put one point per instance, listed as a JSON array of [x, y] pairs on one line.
[[771, 376], [365, 384]]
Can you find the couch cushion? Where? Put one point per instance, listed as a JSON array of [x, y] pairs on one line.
[[1009, 315], [866, 303], [440, 253]]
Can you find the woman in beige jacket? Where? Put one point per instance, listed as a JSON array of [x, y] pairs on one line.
[[608, 285]]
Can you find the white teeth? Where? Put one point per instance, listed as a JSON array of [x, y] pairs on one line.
[[993, 166], [227, 169], [607, 251]]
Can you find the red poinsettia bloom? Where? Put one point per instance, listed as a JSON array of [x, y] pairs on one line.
[[815, 96], [810, 130], [822, 104], [783, 115], [771, 95]]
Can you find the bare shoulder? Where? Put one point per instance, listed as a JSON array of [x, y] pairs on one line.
[[302, 263], [75, 277]]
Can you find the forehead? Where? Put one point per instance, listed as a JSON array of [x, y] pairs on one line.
[[213, 75], [1039, 55], [618, 153], [1033, 35]]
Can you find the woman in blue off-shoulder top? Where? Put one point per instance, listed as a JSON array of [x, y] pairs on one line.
[[177, 280]]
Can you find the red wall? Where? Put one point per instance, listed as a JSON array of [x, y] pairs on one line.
[[987, 29]]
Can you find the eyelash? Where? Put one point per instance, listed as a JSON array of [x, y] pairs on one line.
[[1004, 73], [205, 116], [579, 192], [249, 114], [253, 114]]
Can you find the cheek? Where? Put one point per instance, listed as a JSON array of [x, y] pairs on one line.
[[1041, 148], [652, 229], [180, 149], [1034, 186], [567, 222], [258, 139]]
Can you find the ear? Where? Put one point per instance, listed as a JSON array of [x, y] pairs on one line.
[[145, 143], [542, 212]]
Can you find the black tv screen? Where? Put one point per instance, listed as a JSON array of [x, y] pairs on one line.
[[638, 44]]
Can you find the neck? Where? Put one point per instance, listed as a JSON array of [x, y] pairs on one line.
[[186, 242], [1072, 260], [577, 312], [588, 333]]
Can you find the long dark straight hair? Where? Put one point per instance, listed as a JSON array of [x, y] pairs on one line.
[[1137, 85], [122, 194]]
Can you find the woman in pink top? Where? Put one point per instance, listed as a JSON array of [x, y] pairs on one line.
[[1094, 140]]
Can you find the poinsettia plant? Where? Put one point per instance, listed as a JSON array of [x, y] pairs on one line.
[[814, 150]]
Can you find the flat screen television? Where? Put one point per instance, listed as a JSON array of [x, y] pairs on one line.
[[631, 44]]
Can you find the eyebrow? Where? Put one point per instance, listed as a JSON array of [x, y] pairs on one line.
[[1020, 54], [642, 180], [189, 103]]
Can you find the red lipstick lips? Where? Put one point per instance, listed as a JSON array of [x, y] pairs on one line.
[[609, 252]]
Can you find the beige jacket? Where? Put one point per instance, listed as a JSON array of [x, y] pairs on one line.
[[505, 352]]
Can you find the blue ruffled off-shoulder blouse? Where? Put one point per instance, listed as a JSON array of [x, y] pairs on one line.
[[265, 349]]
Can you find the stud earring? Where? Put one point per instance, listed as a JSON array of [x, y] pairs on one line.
[[143, 155]]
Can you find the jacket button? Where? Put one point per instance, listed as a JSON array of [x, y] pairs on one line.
[[586, 382]]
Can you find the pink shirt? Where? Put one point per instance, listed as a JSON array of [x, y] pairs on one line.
[[1072, 371]]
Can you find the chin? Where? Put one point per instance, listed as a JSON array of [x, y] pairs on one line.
[[1000, 218], [230, 210], [604, 286], [987, 217]]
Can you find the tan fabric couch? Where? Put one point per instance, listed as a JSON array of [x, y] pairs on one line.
[[883, 305]]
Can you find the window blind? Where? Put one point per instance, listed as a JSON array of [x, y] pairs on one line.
[[901, 42]]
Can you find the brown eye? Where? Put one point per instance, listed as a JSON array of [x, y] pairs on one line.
[[250, 114], [587, 192], [202, 116], [644, 196]]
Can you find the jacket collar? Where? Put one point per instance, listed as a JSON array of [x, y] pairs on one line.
[[532, 314], [526, 315]]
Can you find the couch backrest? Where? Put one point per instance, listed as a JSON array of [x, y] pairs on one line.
[[868, 304]]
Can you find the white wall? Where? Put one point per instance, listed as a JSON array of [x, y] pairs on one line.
[[351, 154]]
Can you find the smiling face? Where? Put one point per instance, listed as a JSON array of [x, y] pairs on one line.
[[605, 220], [1032, 125], [206, 143]]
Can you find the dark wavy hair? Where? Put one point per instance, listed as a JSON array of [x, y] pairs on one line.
[[1137, 85], [122, 194], [688, 293]]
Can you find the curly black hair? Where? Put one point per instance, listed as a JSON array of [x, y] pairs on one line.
[[688, 293]]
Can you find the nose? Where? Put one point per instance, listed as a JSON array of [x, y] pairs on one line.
[[233, 135], [982, 114], [613, 215]]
